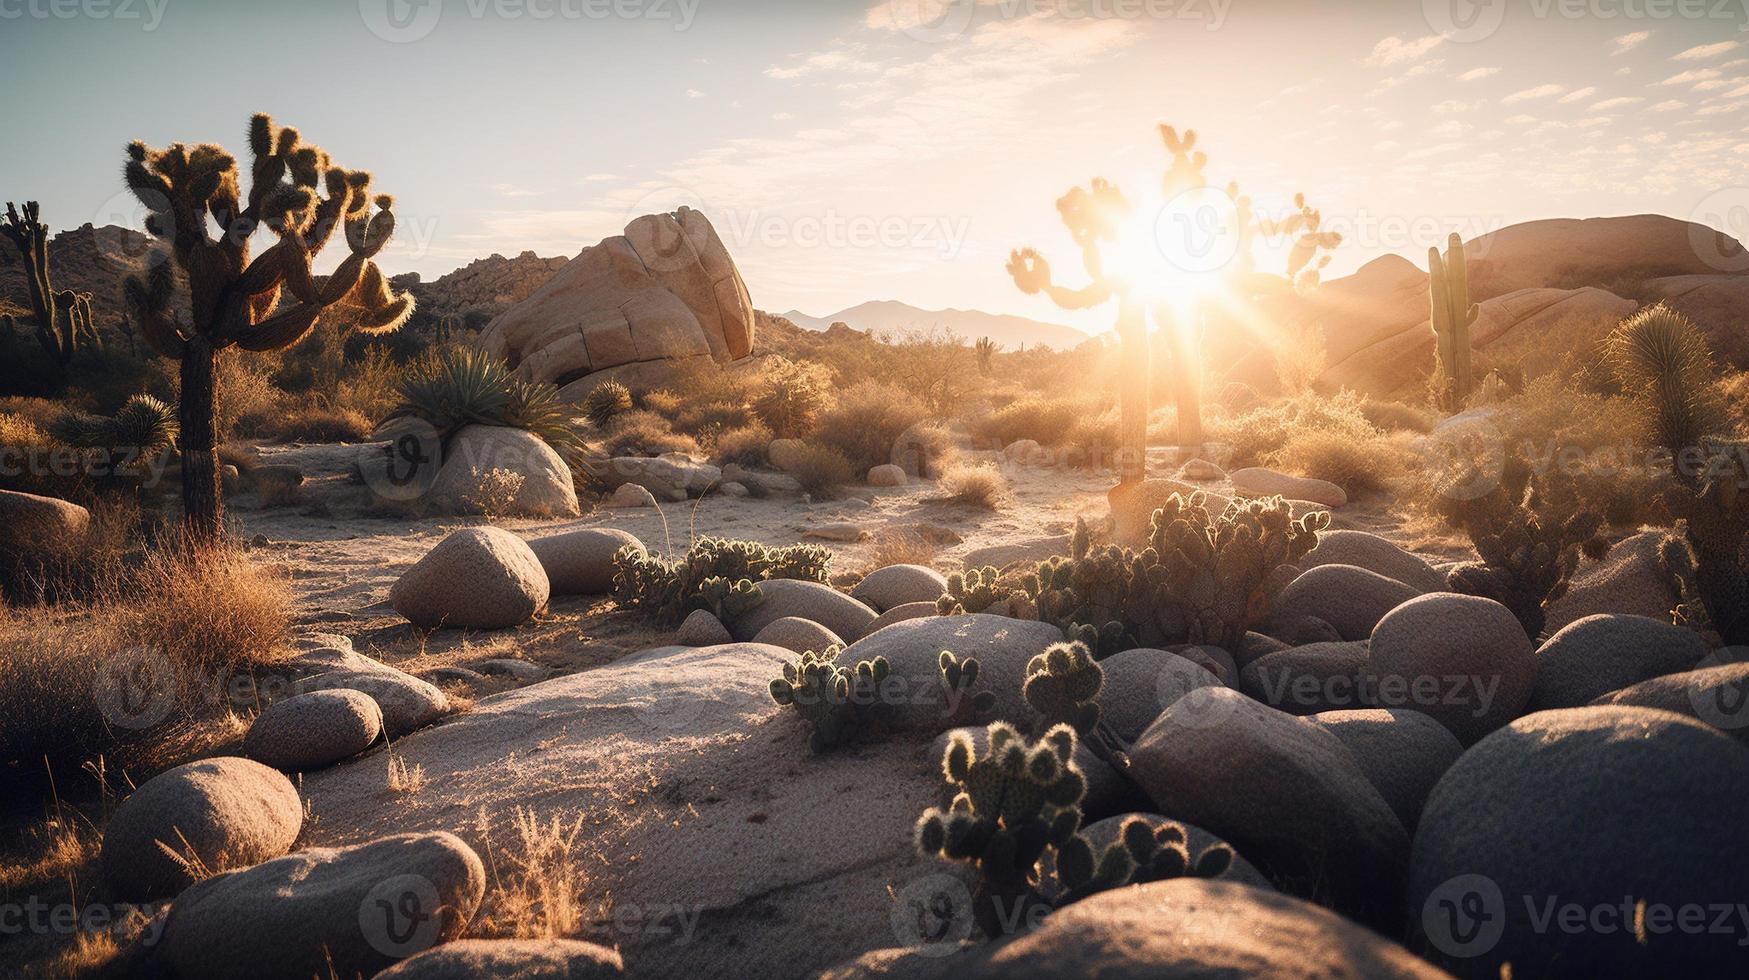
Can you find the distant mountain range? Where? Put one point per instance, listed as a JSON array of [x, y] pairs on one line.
[[891, 316]]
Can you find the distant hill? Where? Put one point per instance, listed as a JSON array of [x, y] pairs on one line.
[[84, 259], [484, 287], [891, 316]]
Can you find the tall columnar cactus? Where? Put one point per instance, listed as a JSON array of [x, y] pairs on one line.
[[986, 350], [1662, 360], [235, 301], [1009, 806], [1452, 315], [61, 319]]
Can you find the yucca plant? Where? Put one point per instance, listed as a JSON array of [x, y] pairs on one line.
[[143, 427], [605, 401], [461, 386]]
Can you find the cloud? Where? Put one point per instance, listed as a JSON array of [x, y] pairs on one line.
[[1577, 95], [512, 190], [1520, 120], [1702, 52], [849, 59], [1539, 92], [1691, 76], [1718, 108], [1476, 74], [693, 93], [1669, 105], [1394, 50], [1453, 106], [600, 178], [1615, 103], [1627, 42]]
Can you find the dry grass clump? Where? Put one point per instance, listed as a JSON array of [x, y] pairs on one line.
[[1047, 421], [1265, 429], [791, 401], [899, 546], [867, 422], [1734, 393], [663, 402], [1357, 466], [536, 887], [981, 486], [821, 470], [745, 445], [150, 652], [317, 424], [1393, 416], [645, 433]]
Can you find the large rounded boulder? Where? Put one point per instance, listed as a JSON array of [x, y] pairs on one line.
[[1629, 580], [1141, 683], [477, 578], [348, 911], [1462, 659], [1235, 767], [1715, 693], [523, 959], [814, 601], [1375, 554], [1586, 842], [207, 816], [895, 585], [1308, 679], [580, 562], [1349, 598], [309, 731], [1002, 646], [504, 472], [1403, 753], [1588, 658]]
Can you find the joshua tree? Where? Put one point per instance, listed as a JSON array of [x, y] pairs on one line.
[[61, 318], [233, 300], [986, 349]]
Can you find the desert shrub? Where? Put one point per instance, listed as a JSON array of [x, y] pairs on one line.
[[248, 400], [821, 470], [899, 546], [458, 387], [1357, 466], [715, 574], [867, 421], [538, 889], [372, 385], [745, 445], [1734, 394], [644, 433], [315, 423], [790, 402], [1047, 421], [1255, 434], [1300, 357], [934, 365], [1392, 416], [81, 570], [19, 432], [493, 493], [983, 487], [605, 401], [172, 632], [702, 419], [663, 402]]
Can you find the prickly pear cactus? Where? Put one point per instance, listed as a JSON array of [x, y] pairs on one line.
[[842, 703], [1062, 683], [1140, 854], [667, 590], [1011, 804], [728, 600], [957, 678], [983, 590]]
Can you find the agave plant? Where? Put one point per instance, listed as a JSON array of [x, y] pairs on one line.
[[144, 425], [462, 386]]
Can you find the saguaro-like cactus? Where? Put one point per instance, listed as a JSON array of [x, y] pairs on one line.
[[61, 319], [1453, 313], [986, 349], [296, 193]]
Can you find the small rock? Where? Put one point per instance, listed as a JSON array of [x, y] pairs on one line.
[[732, 489], [896, 585], [407, 702], [581, 562], [702, 629], [887, 475], [1025, 452], [836, 531], [1256, 481], [477, 578], [787, 454], [1349, 598], [1307, 679], [523, 959], [630, 495], [451, 675], [230, 812], [1201, 470], [520, 670], [1140, 684], [309, 731]]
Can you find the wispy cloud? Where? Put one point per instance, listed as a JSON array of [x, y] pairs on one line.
[[1670, 105], [1627, 42], [1691, 76], [1620, 102], [1577, 95], [512, 190], [1702, 52], [693, 93], [1394, 50], [1539, 92], [1477, 74]]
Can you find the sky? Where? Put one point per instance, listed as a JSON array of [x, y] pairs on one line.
[[852, 150]]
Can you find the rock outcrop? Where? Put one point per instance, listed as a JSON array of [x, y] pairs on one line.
[[636, 308]]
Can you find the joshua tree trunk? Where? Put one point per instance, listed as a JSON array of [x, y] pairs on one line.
[[1186, 379], [1132, 331], [202, 508]]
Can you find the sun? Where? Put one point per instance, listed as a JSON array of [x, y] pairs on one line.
[[1178, 251]]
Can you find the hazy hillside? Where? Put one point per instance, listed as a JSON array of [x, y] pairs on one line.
[[883, 316]]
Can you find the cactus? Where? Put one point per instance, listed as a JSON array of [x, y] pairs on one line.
[[843, 704], [1062, 684], [957, 678], [1452, 315], [1663, 362], [982, 590], [235, 301], [1140, 854], [1305, 267], [1009, 806], [60, 319], [986, 350], [605, 401], [716, 574], [1530, 534]]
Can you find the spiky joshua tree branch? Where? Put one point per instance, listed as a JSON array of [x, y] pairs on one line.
[[268, 303]]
